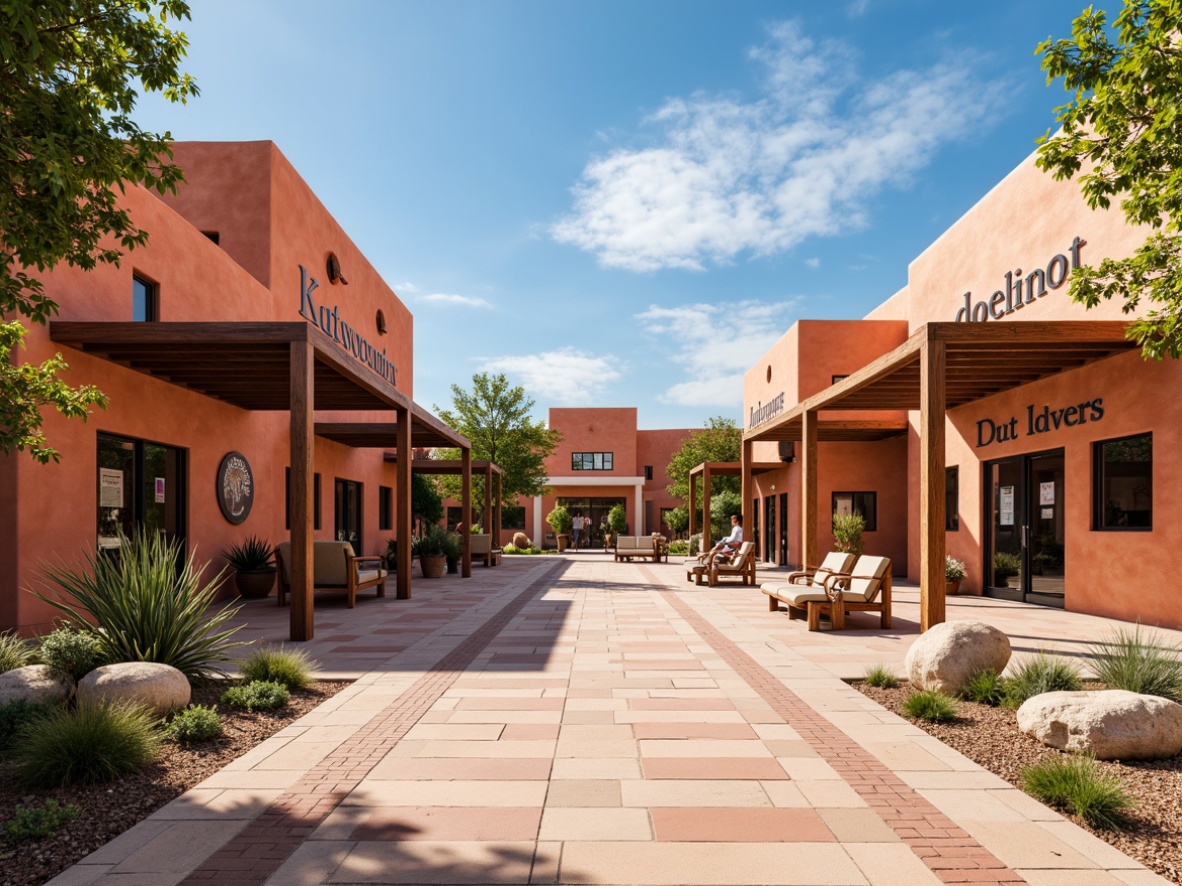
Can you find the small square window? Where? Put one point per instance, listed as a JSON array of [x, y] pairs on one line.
[[952, 499], [1123, 484], [385, 507], [648, 472], [145, 300]]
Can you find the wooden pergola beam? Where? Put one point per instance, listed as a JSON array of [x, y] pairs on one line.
[[466, 504], [931, 484], [301, 393], [808, 490], [403, 516]]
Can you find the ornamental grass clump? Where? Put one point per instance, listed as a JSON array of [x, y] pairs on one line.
[[1147, 665], [881, 677], [14, 652], [262, 695], [194, 725], [985, 687], [70, 653], [929, 705], [148, 604], [1043, 673], [95, 742], [1078, 785], [291, 667]]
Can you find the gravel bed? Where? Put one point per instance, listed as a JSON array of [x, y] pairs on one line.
[[107, 810], [990, 737]]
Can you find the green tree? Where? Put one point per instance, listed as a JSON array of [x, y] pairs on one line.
[[723, 504], [426, 503], [677, 519], [1121, 133], [495, 416], [720, 441], [69, 74]]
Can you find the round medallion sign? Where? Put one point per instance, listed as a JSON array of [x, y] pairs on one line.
[[235, 487]]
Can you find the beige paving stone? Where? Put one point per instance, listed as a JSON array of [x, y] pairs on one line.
[[701, 792], [180, 848], [80, 875], [679, 717], [253, 779], [296, 757], [784, 794], [657, 747], [455, 732], [447, 793], [580, 747], [1091, 847], [325, 733], [808, 769], [829, 794], [784, 748], [523, 717], [1069, 878], [890, 864], [1140, 878], [857, 825], [902, 756], [486, 749], [584, 792], [150, 879], [709, 864], [776, 732], [215, 803], [592, 823], [547, 857], [1025, 805], [588, 718], [311, 864], [596, 768], [1025, 845], [436, 862], [951, 779], [258, 753], [970, 804]]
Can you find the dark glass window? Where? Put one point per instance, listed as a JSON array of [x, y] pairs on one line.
[[140, 485], [144, 300], [287, 500], [591, 461], [512, 517], [648, 472], [347, 512], [455, 516], [385, 507], [864, 503], [1123, 487], [214, 237], [952, 499], [838, 378]]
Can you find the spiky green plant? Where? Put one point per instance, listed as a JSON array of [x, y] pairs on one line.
[[929, 705], [1076, 783], [291, 667], [14, 652], [985, 687], [1147, 665], [881, 677], [252, 554], [147, 604], [1043, 673]]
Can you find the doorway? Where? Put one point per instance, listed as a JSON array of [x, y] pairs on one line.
[[140, 485], [1025, 547], [783, 528], [347, 510], [769, 529]]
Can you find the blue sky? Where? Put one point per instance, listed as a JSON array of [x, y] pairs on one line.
[[626, 203]]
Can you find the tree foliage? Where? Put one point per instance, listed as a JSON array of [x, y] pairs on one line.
[[69, 74], [426, 503], [495, 416], [720, 441], [1122, 133]]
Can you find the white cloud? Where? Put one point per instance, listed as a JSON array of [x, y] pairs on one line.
[[716, 344], [813, 262], [857, 8], [405, 287], [725, 177], [567, 375], [466, 301]]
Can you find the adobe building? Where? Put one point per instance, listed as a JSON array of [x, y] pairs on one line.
[[979, 412], [257, 367]]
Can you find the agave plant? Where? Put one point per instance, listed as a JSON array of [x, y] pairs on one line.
[[252, 554], [146, 604]]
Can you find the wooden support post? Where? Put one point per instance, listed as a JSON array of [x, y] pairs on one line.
[[931, 483], [486, 513], [808, 490], [497, 515], [466, 503], [706, 508], [402, 512], [302, 399], [693, 506], [746, 486]]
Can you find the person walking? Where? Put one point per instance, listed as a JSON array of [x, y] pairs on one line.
[[577, 528]]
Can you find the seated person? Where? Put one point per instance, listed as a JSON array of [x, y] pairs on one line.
[[727, 547]]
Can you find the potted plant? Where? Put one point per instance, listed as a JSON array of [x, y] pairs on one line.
[[847, 533], [954, 574], [561, 522], [1005, 567], [392, 554], [431, 549], [455, 552], [617, 521], [253, 562]]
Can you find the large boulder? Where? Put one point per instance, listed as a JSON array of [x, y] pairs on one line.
[[159, 687], [520, 540], [33, 684], [947, 656], [1113, 724]]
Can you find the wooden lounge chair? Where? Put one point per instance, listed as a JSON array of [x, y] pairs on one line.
[[334, 568], [798, 588], [484, 549], [741, 564], [866, 588]]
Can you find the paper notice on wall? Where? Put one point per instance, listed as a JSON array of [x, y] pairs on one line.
[[1005, 506], [159, 490], [1048, 513], [1046, 493], [110, 488]]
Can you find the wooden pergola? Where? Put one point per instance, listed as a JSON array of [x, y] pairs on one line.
[[708, 470], [940, 367], [282, 367]]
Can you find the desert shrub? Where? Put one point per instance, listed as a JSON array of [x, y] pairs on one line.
[[149, 605], [261, 695], [70, 653], [194, 724], [1148, 665], [1043, 673], [1076, 783], [13, 717], [290, 667], [38, 822], [14, 652], [985, 687], [847, 533], [95, 742], [513, 549], [679, 548], [881, 677], [695, 544], [934, 707]]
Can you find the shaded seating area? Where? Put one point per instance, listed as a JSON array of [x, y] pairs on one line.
[[741, 565], [798, 588], [629, 546], [335, 567], [866, 587], [484, 549]]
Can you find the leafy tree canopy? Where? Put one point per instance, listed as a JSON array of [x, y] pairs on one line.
[[69, 74], [495, 416], [1121, 133], [720, 441], [426, 503]]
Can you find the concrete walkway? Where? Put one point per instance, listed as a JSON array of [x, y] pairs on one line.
[[573, 720]]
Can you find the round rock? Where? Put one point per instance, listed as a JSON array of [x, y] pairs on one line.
[[947, 656], [33, 684], [1111, 723], [520, 540], [159, 687]]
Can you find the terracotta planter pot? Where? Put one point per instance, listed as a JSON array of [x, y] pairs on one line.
[[952, 588], [563, 542], [255, 585], [433, 567]]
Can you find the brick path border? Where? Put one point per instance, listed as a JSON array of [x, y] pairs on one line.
[[949, 851], [258, 850]]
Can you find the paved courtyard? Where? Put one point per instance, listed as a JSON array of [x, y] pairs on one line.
[[574, 720]]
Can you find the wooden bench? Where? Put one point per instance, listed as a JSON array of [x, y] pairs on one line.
[[334, 568], [742, 564], [629, 546], [484, 549]]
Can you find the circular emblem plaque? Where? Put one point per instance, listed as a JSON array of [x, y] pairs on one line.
[[235, 487]]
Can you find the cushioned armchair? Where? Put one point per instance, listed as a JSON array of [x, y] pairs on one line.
[[334, 568]]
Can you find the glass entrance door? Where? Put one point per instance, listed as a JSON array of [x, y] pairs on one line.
[[347, 510], [1025, 544], [783, 528], [769, 529], [140, 484]]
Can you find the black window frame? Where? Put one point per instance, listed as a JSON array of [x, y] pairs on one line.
[[952, 499], [648, 472], [151, 299], [287, 499], [385, 508], [579, 461], [1098, 503], [871, 519]]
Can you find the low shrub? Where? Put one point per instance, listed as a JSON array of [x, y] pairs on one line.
[[1043, 673], [38, 822], [262, 695], [14, 652], [679, 548], [1077, 784], [194, 724], [13, 717], [95, 742], [985, 687], [70, 653], [881, 677], [513, 549], [290, 667], [934, 707], [1147, 665]]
